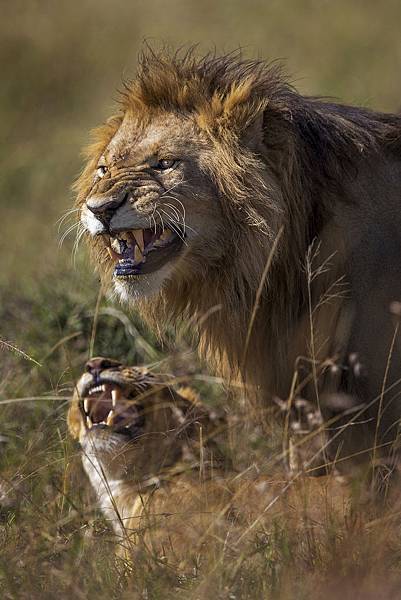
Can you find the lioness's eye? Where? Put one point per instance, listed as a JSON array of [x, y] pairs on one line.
[[101, 171], [165, 163]]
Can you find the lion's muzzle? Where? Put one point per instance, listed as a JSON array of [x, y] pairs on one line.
[[135, 247]]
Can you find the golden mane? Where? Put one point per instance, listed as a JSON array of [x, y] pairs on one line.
[[282, 165]]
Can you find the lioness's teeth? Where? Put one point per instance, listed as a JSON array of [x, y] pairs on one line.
[[138, 235], [109, 420], [86, 405], [114, 397], [95, 389], [89, 423], [103, 388]]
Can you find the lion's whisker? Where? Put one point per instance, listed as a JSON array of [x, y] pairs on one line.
[[176, 212], [181, 216], [80, 234], [183, 210], [67, 232], [63, 217], [154, 226], [161, 219], [174, 226], [185, 226]]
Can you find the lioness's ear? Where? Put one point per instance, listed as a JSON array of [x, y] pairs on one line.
[[252, 136]]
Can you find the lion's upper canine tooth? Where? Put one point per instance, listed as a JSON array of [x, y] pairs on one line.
[[109, 420], [138, 235], [137, 254], [103, 387], [86, 405]]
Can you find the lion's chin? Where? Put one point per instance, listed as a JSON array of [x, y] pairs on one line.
[[138, 287]]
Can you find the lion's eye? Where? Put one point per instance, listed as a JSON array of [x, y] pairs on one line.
[[165, 163], [101, 171]]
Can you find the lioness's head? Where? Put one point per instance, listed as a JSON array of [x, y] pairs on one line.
[[175, 181], [134, 422]]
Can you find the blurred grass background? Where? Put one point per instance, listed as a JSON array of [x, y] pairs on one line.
[[61, 63]]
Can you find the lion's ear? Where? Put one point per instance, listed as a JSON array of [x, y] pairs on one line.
[[252, 136]]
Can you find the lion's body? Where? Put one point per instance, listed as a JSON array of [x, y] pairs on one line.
[[310, 189]]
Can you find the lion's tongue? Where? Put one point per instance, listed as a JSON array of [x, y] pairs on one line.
[[110, 407], [100, 406]]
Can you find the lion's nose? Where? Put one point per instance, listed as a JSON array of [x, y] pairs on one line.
[[96, 365], [102, 206]]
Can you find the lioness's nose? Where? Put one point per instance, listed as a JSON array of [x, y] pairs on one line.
[[97, 364], [103, 205]]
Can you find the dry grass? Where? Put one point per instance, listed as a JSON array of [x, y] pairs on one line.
[[61, 64]]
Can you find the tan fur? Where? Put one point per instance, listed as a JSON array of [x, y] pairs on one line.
[[179, 501], [260, 164]]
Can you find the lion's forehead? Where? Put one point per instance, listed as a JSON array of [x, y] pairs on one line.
[[136, 141]]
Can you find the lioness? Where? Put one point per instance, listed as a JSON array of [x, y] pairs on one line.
[[269, 218], [155, 458]]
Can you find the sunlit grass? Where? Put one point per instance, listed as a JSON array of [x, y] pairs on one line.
[[62, 63]]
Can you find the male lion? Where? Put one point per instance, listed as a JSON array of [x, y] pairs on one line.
[[272, 220], [156, 459]]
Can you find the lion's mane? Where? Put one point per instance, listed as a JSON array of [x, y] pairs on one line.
[[275, 201]]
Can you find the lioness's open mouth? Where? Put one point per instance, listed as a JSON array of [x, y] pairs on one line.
[[141, 251], [104, 405]]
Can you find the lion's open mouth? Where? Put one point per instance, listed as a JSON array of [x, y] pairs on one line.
[[141, 251], [104, 405]]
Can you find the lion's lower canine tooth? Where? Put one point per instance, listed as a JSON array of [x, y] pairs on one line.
[[89, 422]]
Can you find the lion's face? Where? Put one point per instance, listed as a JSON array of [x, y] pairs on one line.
[[130, 421], [152, 205]]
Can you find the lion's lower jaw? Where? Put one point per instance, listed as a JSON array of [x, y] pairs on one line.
[[141, 286]]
